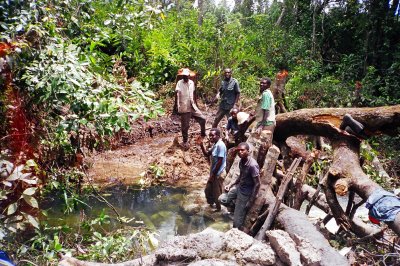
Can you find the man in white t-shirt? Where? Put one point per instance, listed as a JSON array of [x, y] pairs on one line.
[[187, 107]]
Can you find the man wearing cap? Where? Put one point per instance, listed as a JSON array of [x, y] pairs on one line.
[[187, 107], [229, 92], [237, 125]]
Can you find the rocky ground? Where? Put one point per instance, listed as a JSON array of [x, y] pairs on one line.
[[214, 248]]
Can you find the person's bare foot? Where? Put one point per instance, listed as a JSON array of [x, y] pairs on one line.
[[185, 146]]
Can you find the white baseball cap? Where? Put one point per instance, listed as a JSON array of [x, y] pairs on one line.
[[242, 117]]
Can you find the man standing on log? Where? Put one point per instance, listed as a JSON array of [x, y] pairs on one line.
[[247, 183], [229, 92], [265, 110], [217, 172], [187, 107]]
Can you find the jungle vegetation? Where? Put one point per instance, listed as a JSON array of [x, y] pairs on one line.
[[75, 73]]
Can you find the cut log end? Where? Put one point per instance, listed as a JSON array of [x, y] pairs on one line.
[[341, 187]]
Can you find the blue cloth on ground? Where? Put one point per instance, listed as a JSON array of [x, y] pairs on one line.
[[5, 260], [383, 205]]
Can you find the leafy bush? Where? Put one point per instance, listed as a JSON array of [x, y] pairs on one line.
[[18, 197]]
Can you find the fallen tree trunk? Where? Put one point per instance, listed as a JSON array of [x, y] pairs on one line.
[[305, 229], [295, 222], [326, 121], [342, 187], [346, 174]]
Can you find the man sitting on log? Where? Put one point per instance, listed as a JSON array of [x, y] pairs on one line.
[[245, 187], [237, 126]]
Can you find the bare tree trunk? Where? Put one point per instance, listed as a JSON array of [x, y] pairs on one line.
[[314, 30], [201, 12], [283, 12]]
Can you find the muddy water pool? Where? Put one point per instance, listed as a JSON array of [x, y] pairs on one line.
[[158, 208]]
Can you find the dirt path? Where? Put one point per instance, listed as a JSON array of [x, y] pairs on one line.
[[155, 146]]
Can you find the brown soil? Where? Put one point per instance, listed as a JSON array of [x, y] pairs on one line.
[[151, 146]]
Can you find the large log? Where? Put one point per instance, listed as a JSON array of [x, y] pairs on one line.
[[273, 209], [326, 121], [346, 174], [295, 222]]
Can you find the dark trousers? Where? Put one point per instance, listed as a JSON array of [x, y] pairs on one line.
[[240, 210], [213, 190], [185, 124], [218, 117]]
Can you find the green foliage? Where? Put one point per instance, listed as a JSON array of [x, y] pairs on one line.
[[87, 241], [87, 69], [154, 176], [76, 98], [119, 245], [18, 197], [381, 90]]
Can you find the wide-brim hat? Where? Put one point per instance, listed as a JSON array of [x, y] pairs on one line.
[[185, 72], [242, 117]]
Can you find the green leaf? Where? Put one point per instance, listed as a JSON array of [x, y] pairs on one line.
[[30, 191], [12, 208], [3, 195], [31, 201], [7, 183], [19, 27], [30, 181], [16, 174], [31, 163], [32, 220], [75, 82], [75, 21]]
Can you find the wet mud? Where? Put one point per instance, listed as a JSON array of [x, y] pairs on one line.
[[154, 144], [138, 162]]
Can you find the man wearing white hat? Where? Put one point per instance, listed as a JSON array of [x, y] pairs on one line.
[[237, 125], [187, 107]]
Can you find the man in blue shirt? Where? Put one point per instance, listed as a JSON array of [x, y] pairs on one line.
[[217, 155]]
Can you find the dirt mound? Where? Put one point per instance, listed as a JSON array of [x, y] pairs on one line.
[[183, 168]]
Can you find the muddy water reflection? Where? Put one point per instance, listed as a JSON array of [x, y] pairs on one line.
[[160, 209]]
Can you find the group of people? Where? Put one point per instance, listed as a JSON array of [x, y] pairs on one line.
[[240, 194]]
